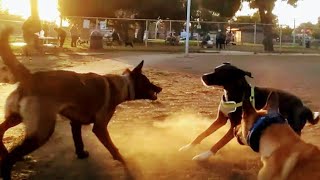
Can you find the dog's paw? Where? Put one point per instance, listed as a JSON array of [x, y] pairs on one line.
[[83, 155], [203, 156], [316, 115], [186, 147]]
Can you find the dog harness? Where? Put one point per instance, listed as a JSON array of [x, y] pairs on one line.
[[227, 107], [254, 135]]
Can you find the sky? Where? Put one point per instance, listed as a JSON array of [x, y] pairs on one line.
[[306, 11]]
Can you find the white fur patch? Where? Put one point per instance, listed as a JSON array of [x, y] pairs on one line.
[[203, 156], [316, 115]]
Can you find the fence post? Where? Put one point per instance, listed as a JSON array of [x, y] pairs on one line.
[[187, 28], [280, 38], [304, 37], [97, 22], [60, 21], [255, 33], [294, 32], [146, 33]]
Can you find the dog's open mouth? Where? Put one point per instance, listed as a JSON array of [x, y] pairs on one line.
[[154, 95]]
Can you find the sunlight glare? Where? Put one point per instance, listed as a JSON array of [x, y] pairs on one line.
[[48, 9]]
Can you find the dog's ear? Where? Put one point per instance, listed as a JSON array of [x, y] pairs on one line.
[[138, 69], [246, 73], [127, 71], [247, 108], [272, 104]]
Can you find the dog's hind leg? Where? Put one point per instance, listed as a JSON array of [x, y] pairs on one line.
[[77, 139], [39, 119], [298, 118], [10, 121]]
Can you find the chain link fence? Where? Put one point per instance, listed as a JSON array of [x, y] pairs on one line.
[[165, 32]]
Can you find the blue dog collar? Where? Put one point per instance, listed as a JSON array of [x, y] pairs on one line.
[[253, 138]]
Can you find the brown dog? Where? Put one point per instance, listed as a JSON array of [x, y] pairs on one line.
[[284, 155], [82, 98]]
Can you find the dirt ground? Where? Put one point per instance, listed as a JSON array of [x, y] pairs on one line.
[[149, 134]]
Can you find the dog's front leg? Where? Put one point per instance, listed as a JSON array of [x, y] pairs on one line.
[[220, 121], [104, 137], [223, 141], [77, 139]]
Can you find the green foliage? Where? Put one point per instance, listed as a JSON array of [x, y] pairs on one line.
[[310, 29], [225, 8]]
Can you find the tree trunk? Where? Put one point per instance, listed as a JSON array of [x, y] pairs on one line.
[[34, 8], [142, 28], [35, 16], [266, 19]]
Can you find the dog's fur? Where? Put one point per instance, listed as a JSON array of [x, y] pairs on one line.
[[233, 81], [82, 98], [284, 155]]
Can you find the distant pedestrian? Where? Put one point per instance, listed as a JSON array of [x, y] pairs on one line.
[[61, 35], [115, 37], [30, 28], [74, 31]]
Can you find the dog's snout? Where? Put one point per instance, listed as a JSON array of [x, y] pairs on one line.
[[205, 78]]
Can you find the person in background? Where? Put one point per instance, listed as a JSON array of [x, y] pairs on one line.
[[30, 28], [115, 37], [61, 35], [74, 31], [45, 28]]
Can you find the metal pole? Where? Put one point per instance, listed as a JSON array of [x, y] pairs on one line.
[[170, 26], [156, 30], [187, 28], [146, 33], [294, 32], [60, 21], [280, 38], [304, 36], [255, 33]]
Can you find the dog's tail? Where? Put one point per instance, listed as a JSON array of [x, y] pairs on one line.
[[312, 117], [19, 71]]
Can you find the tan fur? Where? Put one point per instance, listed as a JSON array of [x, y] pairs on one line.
[[283, 154], [82, 98]]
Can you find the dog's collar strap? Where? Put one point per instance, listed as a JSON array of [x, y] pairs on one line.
[[131, 93], [229, 106], [252, 97], [254, 135]]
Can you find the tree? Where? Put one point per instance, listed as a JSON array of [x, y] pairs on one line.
[[309, 29], [225, 8], [265, 8], [34, 19]]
